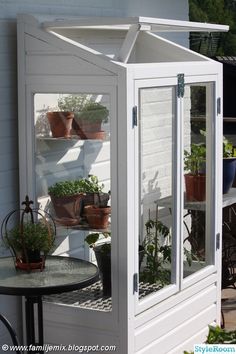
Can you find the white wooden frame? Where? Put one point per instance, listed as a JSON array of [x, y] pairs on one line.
[[213, 189]]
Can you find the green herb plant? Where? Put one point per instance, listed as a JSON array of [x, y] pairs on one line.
[[34, 237], [195, 159], [73, 103], [228, 150], [157, 255], [72, 187], [94, 112]]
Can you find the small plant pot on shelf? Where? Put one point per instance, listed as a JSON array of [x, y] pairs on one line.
[[97, 217], [195, 187], [60, 124], [87, 130], [67, 209]]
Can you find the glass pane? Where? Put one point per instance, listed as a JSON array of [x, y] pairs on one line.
[[73, 178], [197, 111], [157, 112]]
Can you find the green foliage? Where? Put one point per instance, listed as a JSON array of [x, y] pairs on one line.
[[36, 237], [194, 161], [214, 11], [228, 150], [217, 335], [94, 112], [72, 103], [72, 187], [156, 254], [92, 239], [84, 107]]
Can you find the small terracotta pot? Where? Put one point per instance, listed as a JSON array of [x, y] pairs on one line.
[[68, 208], [88, 130], [195, 188], [97, 218], [20, 264], [60, 123]]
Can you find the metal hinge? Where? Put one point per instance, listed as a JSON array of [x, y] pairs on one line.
[[218, 105], [135, 282], [180, 85], [135, 116], [217, 241]]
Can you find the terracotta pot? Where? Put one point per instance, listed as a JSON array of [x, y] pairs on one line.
[[98, 199], [32, 264], [195, 187], [88, 130], [60, 123], [67, 208], [97, 218]]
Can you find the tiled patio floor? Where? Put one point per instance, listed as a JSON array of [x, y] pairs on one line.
[[229, 308]]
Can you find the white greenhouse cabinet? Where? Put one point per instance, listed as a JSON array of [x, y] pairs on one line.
[[160, 97]]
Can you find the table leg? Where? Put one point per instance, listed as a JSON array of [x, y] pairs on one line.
[[30, 301]]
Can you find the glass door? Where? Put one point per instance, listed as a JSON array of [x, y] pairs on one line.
[[175, 139], [156, 161]]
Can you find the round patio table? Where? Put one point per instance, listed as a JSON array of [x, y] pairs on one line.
[[61, 274]]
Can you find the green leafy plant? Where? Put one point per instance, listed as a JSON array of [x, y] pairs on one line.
[[93, 238], [83, 185], [156, 254], [34, 237], [195, 159], [73, 103], [228, 150], [94, 112]]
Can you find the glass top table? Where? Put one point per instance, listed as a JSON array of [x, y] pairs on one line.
[[61, 274]]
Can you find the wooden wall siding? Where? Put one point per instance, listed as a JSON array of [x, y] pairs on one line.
[[199, 310]]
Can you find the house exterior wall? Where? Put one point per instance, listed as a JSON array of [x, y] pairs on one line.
[[9, 191]]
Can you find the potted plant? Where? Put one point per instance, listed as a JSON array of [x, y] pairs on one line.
[[61, 118], [93, 191], [103, 256], [229, 165], [69, 198], [88, 121], [30, 243], [195, 179], [156, 254], [66, 197]]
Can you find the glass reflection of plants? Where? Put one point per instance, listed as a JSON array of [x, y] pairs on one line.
[[157, 254]]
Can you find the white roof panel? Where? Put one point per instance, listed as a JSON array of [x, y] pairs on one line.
[[147, 23]]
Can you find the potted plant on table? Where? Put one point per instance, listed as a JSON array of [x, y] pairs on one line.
[[195, 179], [31, 239], [88, 121]]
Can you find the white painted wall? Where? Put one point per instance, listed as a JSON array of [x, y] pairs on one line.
[[8, 86]]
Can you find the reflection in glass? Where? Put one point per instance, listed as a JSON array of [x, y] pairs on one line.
[[72, 162], [157, 110], [197, 111]]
